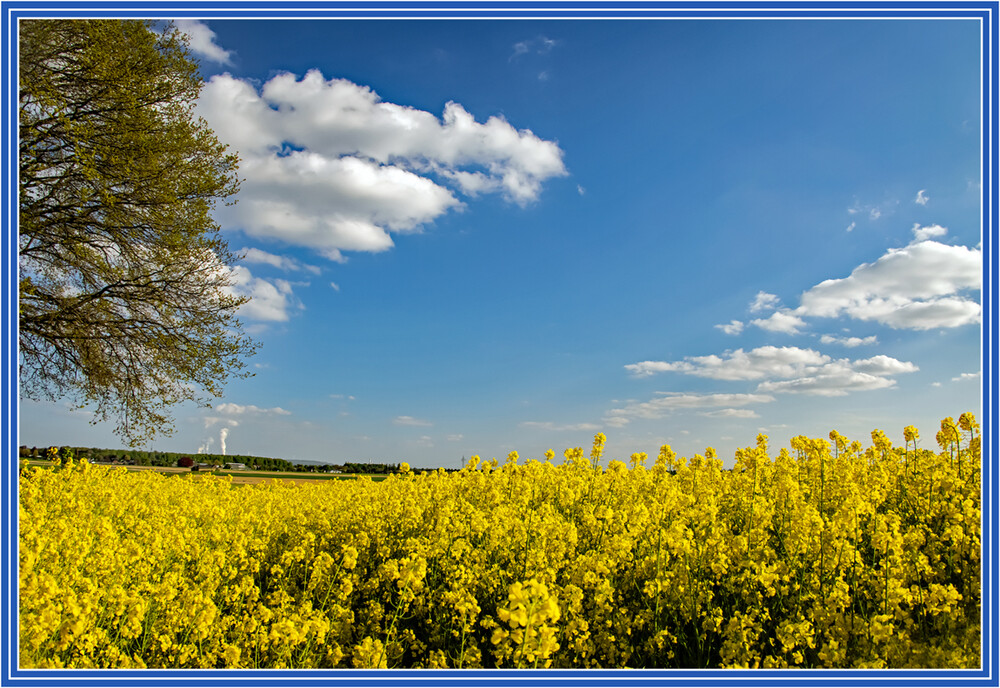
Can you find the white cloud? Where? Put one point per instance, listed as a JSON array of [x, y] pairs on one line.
[[922, 197], [789, 369], [780, 321], [552, 426], [455, 438], [202, 41], [916, 287], [967, 376], [255, 255], [840, 377], [874, 211], [764, 302], [834, 384], [647, 368], [850, 227], [733, 328], [231, 409], [217, 420], [410, 421], [762, 362], [925, 233], [270, 300], [329, 165], [883, 365], [849, 342], [539, 46], [662, 405], [732, 413]]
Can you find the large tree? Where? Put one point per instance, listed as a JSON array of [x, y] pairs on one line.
[[126, 299]]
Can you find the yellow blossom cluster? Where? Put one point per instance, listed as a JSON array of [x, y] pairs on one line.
[[828, 554]]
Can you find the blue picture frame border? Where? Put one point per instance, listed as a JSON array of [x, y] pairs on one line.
[[985, 11]]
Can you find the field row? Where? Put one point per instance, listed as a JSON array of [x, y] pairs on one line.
[[825, 554]]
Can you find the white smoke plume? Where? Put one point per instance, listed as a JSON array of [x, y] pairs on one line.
[[205, 448], [222, 439]]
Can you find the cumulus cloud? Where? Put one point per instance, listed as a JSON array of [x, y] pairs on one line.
[[329, 165], [917, 287], [922, 197], [764, 302], [410, 421], [734, 327], [929, 232], [270, 300], [201, 41], [780, 321]]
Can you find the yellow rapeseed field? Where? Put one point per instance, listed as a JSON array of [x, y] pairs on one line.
[[828, 554]]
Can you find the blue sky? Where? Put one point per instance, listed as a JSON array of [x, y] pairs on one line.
[[469, 237]]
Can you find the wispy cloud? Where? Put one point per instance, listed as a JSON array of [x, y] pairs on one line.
[[732, 413], [286, 263], [849, 342], [922, 197], [874, 211], [410, 421], [787, 369], [967, 376], [555, 427], [540, 45], [232, 409], [668, 402]]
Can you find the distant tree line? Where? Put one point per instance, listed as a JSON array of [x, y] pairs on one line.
[[373, 468], [140, 457]]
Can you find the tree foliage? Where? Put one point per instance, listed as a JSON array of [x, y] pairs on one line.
[[126, 298]]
